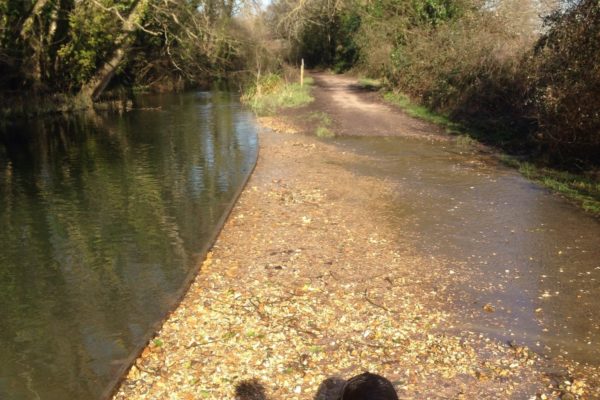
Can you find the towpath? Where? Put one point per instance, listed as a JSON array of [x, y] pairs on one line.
[[308, 280]]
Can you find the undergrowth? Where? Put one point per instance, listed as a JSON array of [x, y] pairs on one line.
[[272, 92], [324, 132]]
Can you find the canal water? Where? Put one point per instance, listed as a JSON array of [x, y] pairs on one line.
[[519, 263], [103, 219]]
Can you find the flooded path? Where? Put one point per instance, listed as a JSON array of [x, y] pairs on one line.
[[520, 263], [374, 254]]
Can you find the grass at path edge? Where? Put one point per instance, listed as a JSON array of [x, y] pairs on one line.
[[579, 189], [272, 92]]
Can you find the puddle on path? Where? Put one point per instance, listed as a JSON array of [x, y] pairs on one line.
[[530, 255]]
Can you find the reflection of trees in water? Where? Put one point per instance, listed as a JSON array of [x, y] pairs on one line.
[[101, 220]]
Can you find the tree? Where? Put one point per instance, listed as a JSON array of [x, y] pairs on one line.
[[80, 46], [96, 85]]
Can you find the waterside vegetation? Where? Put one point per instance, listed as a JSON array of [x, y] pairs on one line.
[[271, 92], [65, 54]]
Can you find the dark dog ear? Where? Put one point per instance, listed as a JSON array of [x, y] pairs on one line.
[[330, 389], [251, 389], [369, 386]]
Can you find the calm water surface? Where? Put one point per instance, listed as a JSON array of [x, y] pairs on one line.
[[102, 221], [529, 254]]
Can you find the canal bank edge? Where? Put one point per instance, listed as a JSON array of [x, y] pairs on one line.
[[113, 386]]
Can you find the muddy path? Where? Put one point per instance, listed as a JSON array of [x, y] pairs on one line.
[[528, 260], [319, 272]]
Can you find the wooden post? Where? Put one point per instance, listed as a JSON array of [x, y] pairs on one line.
[[302, 73]]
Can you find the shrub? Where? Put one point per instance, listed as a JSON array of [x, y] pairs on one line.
[[565, 75]]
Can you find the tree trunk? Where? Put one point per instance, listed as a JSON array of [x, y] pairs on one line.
[[95, 86]]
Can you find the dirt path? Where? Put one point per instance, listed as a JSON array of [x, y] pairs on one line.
[[308, 280], [357, 112]]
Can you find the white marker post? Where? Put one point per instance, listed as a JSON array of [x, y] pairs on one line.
[[302, 73]]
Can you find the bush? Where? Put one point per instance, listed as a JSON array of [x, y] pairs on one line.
[[535, 97], [469, 69], [565, 75]]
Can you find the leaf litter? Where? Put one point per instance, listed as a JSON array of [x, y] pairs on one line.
[[309, 280]]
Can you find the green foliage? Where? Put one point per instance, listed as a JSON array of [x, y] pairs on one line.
[[271, 93], [346, 49], [50, 46], [370, 84], [435, 12], [324, 123], [91, 38], [418, 111], [324, 132], [465, 141], [12, 50], [320, 117]]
